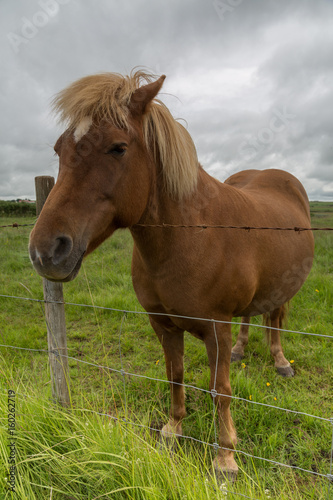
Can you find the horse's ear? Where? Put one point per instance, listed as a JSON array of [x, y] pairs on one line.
[[143, 95]]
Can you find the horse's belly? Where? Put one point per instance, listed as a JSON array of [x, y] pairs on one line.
[[278, 290]]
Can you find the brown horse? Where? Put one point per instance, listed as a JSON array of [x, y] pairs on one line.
[[125, 162]]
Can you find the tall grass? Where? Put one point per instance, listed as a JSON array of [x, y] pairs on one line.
[[77, 453], [82, 453]]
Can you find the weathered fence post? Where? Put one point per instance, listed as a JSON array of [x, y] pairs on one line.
[[55, 315]]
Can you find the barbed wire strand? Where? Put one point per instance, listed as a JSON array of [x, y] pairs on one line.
[[16, 225], [245, 228], [296, 229], [167, 315]]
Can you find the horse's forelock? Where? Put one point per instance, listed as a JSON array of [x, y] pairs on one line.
[[104, 96], [107, 96]]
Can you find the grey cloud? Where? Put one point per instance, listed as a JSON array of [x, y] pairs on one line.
[[230, 74]]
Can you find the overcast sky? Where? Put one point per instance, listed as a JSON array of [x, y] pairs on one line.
[[252, 78]]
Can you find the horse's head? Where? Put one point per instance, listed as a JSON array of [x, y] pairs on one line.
[[103, 183]]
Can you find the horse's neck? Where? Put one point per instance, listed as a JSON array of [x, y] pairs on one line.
[[163, 209], [201, 207]]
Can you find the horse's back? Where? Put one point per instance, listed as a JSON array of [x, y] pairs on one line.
[[278, 187]]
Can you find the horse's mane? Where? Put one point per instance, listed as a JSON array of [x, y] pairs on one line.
[[106, 96]]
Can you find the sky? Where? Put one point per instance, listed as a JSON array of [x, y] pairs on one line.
[[252, 79]]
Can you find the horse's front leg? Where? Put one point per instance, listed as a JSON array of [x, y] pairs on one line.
[[218, 342], [172, 340]]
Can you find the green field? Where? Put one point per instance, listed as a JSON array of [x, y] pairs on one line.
[[79, 454]]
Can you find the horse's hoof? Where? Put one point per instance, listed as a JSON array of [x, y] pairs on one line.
[[169, 444], [225, 475], [225, 468], [169, 437], [235, 356], [285, 371]]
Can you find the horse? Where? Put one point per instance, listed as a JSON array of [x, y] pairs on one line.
[[125, 162], [273, 322]]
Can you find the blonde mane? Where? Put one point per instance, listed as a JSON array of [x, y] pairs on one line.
[[107, 96]]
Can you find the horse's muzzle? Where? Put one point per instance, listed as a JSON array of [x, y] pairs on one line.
[[58, 259]]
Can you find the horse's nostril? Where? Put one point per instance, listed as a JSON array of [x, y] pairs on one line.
[[63, 248]]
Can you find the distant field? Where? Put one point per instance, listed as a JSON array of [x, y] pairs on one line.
[[84, 456], [8, 209], [321, 212]]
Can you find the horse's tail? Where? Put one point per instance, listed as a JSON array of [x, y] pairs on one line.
[[281, 314]]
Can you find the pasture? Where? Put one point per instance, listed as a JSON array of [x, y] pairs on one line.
[[79, 454]]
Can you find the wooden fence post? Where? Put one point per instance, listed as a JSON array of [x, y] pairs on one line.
[[55, 315]]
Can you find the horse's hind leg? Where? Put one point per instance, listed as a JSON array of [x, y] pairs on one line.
[[237, 352], [172, 340], [281, 364]]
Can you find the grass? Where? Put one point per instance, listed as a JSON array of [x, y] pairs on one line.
[[76, 454]]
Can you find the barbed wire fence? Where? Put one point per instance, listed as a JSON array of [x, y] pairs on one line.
[[296, 229], [123, 373], [126, 374], [16, 225]]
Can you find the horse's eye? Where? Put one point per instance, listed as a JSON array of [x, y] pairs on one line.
[[117, 150]]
